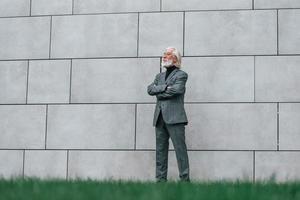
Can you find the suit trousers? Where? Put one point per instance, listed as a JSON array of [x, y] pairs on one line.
[[177, 134]]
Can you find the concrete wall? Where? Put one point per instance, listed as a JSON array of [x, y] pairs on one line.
[[73, 78]]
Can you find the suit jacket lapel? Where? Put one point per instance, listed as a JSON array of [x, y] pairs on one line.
[[170, 75]]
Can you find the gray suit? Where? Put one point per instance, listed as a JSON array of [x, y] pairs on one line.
[[171, 101], [169, 121]]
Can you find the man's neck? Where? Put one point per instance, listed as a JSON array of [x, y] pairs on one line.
[[171, 68]]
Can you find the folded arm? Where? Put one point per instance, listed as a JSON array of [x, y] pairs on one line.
[[176, 89], [154, 89]]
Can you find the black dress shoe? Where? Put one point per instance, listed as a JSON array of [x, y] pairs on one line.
[[185, 180], [162, 180]]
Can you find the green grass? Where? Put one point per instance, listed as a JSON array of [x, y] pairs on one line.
[[36, 189]]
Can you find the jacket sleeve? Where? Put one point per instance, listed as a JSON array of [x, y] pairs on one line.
[[154, 89], [176, 89]]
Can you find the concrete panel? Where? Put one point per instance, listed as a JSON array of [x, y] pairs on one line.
[[215, 165], [140, 165], [51, 7], [22, 126], [183, 5], [94, 36], [49, 81], [261, 4], [136, 165], [11, 164], [288, 33], [219, 79], [283, 78], [158, 31], [45, 164], [102, 126], [104, 6], [14, 8], [289, 127], [113, 80], [13, 80], [24, 38], [279, 166], [145, 131], [230, 33], [217, 126]]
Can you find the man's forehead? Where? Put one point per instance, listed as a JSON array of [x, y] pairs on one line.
[[170, 50]]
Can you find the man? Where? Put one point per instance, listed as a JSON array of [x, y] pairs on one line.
[[169, 116]]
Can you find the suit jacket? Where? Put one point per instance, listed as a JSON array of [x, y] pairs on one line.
[[170, 101]]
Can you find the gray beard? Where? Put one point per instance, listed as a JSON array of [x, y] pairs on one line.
[[166, 64]]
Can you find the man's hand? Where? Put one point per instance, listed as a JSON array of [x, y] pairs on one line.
[[168, 87]]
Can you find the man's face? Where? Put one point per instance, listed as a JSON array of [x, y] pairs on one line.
[[168, 59]]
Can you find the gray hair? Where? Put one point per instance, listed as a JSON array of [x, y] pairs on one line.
[[176, 53]]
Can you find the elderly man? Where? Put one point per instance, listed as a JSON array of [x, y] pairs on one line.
[[169, 116]]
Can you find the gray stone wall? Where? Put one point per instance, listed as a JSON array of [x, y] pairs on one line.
[[73, 78]]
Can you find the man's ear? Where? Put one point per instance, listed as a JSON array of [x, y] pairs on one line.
[[174, 59]]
